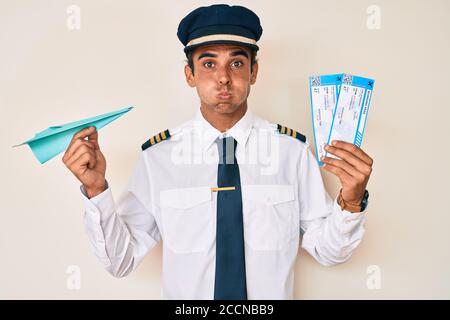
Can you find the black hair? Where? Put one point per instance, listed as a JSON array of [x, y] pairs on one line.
[[190, 61]]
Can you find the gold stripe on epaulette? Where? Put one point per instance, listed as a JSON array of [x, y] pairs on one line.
[[294, 133], [163, 135], [288, 131]]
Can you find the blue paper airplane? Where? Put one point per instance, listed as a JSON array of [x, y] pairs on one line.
[[55, 139]]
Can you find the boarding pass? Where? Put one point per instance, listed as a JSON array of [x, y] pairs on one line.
[[339, 108]]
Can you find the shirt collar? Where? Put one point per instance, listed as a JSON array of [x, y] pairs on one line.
[[240, 131]]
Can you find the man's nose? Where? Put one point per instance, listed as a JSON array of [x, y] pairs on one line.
[[224, 76]]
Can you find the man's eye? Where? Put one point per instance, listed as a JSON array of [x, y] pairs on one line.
[[237, 64], [208, 64]]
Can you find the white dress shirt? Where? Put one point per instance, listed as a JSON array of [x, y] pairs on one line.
[[169, 198]]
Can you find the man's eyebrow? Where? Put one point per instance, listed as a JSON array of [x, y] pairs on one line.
[[239, 53], [207, 55]]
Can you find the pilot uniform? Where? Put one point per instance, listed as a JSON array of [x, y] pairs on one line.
[[230, 219]]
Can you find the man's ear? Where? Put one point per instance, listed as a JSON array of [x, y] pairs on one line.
[[254, 73], [189, 76]]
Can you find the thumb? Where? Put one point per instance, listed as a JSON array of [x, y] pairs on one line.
[[93, 137]]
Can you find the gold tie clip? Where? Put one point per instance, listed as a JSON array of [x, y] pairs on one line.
[[222, 189]]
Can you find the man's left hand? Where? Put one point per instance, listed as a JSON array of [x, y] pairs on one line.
[[353, 169]]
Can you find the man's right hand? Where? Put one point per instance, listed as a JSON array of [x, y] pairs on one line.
[[86, 161]]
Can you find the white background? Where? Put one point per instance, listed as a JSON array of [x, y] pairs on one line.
[[127, 53]]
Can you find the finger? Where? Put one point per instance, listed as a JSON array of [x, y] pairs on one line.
[[344, 165], [77, 154], [99, 156], [83, 149], [93, 137], [79, 142], [339, 172], [356, 162], [353, 149], [75, 145], [84, 160], [92, 162], [80, 135], [84, 133]]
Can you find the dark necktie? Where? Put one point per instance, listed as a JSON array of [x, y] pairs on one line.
[[230, 282]]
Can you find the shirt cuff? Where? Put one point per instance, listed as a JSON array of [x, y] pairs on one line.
[[100, 207], [348, 220]]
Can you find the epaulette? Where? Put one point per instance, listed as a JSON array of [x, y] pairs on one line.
[[290, 132], [164, 135]]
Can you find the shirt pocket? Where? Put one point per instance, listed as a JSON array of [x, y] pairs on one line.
[[269, 216], [188, 224]]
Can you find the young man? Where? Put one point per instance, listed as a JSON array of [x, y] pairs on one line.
[[230, 220]]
